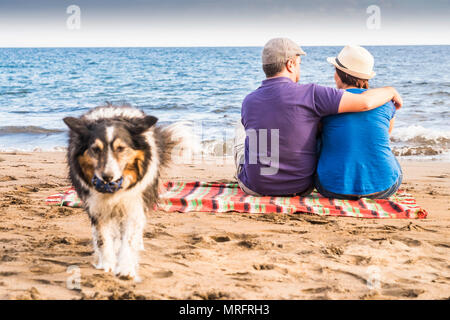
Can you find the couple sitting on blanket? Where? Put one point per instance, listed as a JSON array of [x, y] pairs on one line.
[[294, 137]]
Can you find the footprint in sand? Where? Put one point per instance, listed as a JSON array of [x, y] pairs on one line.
[[221, 238], [351, 274], [127, 295], [414, 227], [13, 200], [403, 293], [8, 273], [27, 188], [360, 260], [442, 176], [332, 251], [187, 254], [7, 178], [43, 281], [7, 258], [163, 274], [57, 262], [409, 242], [317, 290], [210, 295], [156, 233], [441, 244], [264, 266], [31, 294], [45, 269], [249, 244], [315, 219], [195, 239]]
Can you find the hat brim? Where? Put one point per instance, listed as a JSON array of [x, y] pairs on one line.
[[356, 74]]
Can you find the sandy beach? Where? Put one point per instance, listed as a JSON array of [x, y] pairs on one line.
[[223, 256]]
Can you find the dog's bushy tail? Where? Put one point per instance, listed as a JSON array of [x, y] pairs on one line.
[[182, 144]]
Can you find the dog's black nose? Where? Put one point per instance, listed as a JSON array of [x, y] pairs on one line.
[[107, 177]]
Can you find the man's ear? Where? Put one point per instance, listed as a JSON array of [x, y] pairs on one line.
[[137, 126], [76, 125], [290, 65]]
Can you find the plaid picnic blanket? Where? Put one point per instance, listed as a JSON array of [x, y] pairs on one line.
[[225, 197], [68, 198]]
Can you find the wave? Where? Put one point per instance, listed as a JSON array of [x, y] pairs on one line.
[[439, 93], [418, 151], [18, 92], [419, 135], [27, 129], [25, 112], [165, 106], [35, 149], [223, 109], [221, 148], [409, 141], [218, 147]]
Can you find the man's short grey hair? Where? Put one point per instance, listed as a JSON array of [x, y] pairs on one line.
[[274, 68]]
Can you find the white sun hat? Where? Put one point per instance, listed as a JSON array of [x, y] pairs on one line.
[[355, 61]]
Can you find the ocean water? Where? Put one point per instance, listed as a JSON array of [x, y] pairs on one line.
[[205, 86]]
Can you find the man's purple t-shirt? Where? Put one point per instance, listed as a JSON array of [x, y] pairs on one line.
[[295, 110]]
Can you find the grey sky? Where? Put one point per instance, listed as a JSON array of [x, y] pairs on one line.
[[227, 22]]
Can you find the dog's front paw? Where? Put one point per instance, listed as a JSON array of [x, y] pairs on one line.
[[105, 266], [127, 271], [135, 278]]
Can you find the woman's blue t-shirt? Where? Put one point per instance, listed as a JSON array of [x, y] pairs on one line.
[[356, 157]]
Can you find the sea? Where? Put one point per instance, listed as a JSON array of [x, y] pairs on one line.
[[203, 87]]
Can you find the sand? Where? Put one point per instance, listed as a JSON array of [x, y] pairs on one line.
[[223, 256]]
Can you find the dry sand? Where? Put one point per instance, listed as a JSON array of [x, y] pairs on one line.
[[229, 255]]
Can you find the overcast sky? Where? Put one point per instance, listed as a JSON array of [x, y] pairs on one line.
[[222, 23]]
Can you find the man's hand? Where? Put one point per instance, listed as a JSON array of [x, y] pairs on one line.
[[397, 100]]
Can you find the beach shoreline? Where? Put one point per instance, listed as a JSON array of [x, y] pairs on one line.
[[223, 255]]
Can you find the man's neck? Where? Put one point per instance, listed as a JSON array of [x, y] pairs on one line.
[[282, 75]]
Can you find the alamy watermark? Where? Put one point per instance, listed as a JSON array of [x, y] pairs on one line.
[[373, 22], [73, 281], [374, 278], [73, 22], [261, 145]]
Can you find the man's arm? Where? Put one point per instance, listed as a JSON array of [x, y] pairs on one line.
[[368, 100]]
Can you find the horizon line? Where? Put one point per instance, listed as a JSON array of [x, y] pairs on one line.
[[214, 46]]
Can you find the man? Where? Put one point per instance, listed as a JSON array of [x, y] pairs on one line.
[[276, 154]]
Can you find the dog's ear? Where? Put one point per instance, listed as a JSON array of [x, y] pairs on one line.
[[77, 125], [137, 126]]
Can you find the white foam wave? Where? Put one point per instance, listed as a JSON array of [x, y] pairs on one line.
[[416, 133], [34, 149]]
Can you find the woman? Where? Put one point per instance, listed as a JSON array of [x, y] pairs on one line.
[[355, 158]]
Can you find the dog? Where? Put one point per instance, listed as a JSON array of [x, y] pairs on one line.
[[115, 157]]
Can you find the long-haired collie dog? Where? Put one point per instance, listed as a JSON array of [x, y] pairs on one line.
[[115, 156]]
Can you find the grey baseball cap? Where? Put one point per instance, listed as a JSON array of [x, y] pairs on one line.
[[280, 50]]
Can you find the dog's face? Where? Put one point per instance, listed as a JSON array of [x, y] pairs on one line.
[[112, 150]]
